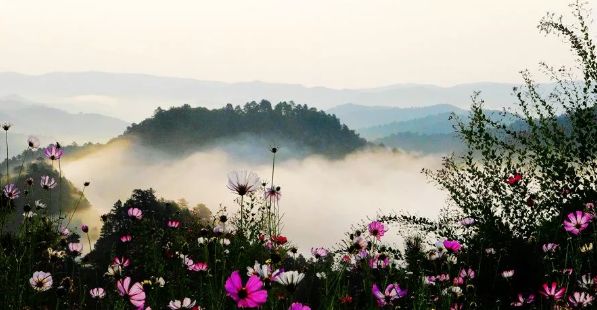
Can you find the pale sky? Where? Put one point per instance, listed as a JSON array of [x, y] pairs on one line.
[[333, 43]]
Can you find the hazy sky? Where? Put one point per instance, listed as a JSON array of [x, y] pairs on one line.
[[334, 43]]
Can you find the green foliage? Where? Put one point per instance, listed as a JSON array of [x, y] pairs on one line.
[[184, 129]]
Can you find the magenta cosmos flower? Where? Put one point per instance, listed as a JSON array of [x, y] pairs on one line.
[[299, 306], [392, 293], [552, 291], [126, 238], [251, 295], [198, 266], [11, 191], [243, 182], [134, 292], [135, 213], [452, 245], [47, 182], [53, 152], [377, 229], [577, 221]]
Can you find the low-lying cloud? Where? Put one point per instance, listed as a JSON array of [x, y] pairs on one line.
[[321, 198]]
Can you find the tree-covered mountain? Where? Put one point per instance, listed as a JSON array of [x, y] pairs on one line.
[[185, 129]]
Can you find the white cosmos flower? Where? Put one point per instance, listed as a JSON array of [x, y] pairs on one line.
[[40, 205], [186, 303], [29, 214], [265, 271], [507, 274], [290, 278]]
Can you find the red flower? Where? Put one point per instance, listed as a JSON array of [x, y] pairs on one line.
[[514, 178], [280, 240], [346, 299]]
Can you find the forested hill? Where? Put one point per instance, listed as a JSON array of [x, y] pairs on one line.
[[183, 129]]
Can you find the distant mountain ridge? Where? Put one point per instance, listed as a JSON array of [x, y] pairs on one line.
[[51, 124], [134, 97], [360, 116]]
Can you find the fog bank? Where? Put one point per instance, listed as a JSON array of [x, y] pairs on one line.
[[321, 198]]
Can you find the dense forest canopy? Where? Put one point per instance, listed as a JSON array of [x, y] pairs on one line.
[[186, 128]]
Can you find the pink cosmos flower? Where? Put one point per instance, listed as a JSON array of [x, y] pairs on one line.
[[187, 261], [64, 232], [379, 261], [429, 280], [389, 295], [11, 191], [135, 213], [550, 247], [75, 248], [173, 223], [97, 293], [468, 221], [467, 273], [377, 229], [521, 300], [458, 281], [41, 281], [452, 245], [198, 266], [580, 299], [47, 182], [273, 194], [251, 295], [135, 293], [552, 291], [444, 277], [577, 221], [121, 261], [126, 238], [319, 252], [299, 306], [53, 152]]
